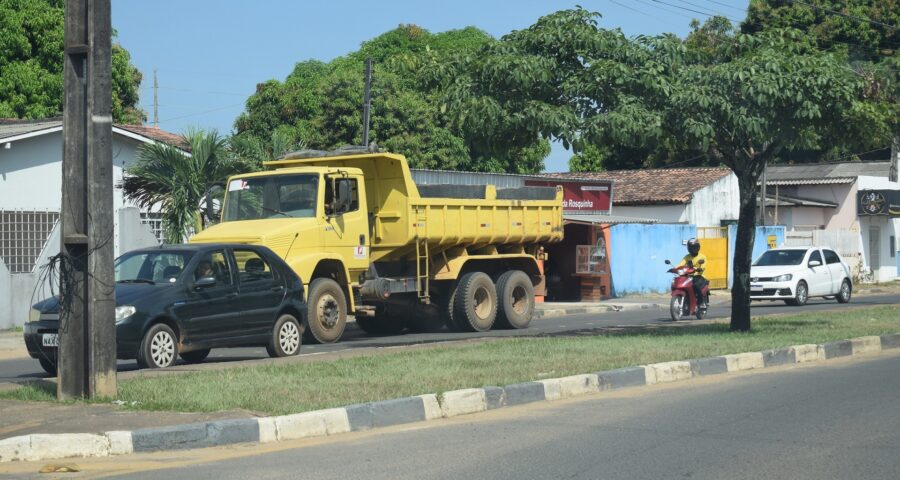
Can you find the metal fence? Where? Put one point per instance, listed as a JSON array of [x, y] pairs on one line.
[[23, 235]]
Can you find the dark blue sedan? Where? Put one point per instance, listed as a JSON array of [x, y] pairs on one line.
[[183, 300]]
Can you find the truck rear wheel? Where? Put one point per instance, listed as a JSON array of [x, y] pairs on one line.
[[475, 302], [515, 294], [327, 311]]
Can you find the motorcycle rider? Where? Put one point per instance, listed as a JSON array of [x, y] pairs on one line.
[[693, 259]]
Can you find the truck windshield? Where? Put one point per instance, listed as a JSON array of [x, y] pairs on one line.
[[773, 258], [275, 196]]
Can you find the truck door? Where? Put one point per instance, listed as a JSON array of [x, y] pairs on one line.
[[346, 229]]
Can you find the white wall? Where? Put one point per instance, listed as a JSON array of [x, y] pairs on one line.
[[886, 269], [713, 203], [663, 213]]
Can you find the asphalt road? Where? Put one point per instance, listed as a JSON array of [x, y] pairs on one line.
[[802, 422], [17, 370]]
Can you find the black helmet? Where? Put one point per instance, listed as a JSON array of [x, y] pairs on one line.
[[693, 246]]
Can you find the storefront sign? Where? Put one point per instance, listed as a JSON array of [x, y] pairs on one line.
[[580, 196], [879, 202]]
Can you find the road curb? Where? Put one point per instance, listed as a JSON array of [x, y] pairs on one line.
[[399, 411], [624, 307]]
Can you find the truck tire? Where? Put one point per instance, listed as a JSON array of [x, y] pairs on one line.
[[475, 302], [383, 323], [327, 311], [446, 308], [515, 299]]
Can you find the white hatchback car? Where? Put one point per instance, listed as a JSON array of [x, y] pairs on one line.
[[794, 274]]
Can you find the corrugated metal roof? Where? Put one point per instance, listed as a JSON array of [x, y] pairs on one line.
[[13, 128], [824, 173], [605, 219]]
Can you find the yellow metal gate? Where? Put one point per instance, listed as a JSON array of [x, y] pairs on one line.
[[714, 244]]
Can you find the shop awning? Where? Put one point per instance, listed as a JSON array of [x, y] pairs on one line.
[[604, 219]]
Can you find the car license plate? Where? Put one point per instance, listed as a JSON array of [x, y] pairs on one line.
[[50, 340], [756, 286]]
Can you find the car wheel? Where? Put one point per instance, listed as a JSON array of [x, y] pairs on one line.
[[48, 365], [159, 348], [801, 295], [195, 356], [327, 308], [475, 302], [515, 295], [843, 295], [287, 336]]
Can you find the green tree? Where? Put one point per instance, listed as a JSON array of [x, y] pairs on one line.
[[31, 64], [321, 104], [741, 100], [179, 182]]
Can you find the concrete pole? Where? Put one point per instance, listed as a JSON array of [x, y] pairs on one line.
[[87, 350], [367, 102]]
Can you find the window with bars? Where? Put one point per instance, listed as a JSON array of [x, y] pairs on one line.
[[154, 220], [23, 235]]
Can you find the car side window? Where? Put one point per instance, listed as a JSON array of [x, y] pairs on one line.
[[815, 256], [831, 257], [252, 266], [214, 264]]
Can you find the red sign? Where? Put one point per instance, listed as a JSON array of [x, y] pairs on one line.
[[580, 196]]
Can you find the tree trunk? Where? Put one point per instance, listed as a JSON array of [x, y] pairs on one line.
[[743, 252]]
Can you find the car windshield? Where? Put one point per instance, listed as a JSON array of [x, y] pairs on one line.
[[774, 258], [274, 196], [162, 266]]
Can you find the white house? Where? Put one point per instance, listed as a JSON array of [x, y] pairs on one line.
[[822, 203], [31, 195]]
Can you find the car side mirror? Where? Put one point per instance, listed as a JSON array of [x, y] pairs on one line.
[[814, 263], [205, 282], [668, 262]]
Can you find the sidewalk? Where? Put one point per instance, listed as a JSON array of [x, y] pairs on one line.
[[12, 345]]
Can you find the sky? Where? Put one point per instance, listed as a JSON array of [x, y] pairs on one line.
[[210, 54]]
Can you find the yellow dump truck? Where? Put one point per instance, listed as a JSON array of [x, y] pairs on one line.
[[366, 240]]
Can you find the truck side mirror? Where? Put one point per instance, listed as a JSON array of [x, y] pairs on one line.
[[668, 262], [702, 261]]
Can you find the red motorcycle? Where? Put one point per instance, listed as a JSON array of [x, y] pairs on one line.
[[684, 301]]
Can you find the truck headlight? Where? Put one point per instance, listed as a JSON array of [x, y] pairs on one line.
[[783, 278], [124, 312], [34, 315]]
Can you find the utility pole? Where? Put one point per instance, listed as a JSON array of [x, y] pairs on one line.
[[367, 101], [155, 101], [895, 159], [87, 335]]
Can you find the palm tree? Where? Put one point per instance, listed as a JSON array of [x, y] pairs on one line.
[[179, 181]]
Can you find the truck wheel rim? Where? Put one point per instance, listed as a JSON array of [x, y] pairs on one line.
[[162, 349], [519, 300], [289, 337], [482, 303], [328, 311]]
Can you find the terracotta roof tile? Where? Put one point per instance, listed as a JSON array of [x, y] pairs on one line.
[[653, 186], [155, 133]]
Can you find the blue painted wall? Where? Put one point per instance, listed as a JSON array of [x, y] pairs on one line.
[[760, 244], [637, 253]]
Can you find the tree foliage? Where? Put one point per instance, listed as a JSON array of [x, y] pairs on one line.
[[31, 64], [178, 182], [321, 104]]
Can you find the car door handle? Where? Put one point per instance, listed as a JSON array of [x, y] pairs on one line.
[[278, 288]]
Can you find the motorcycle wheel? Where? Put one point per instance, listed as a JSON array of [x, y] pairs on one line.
[[676, 307]]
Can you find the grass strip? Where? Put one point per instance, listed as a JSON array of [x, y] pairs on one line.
[[298, 387]]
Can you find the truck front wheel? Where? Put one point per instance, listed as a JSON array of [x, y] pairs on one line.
[[327, 311], [515, 295], [475, 302]]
